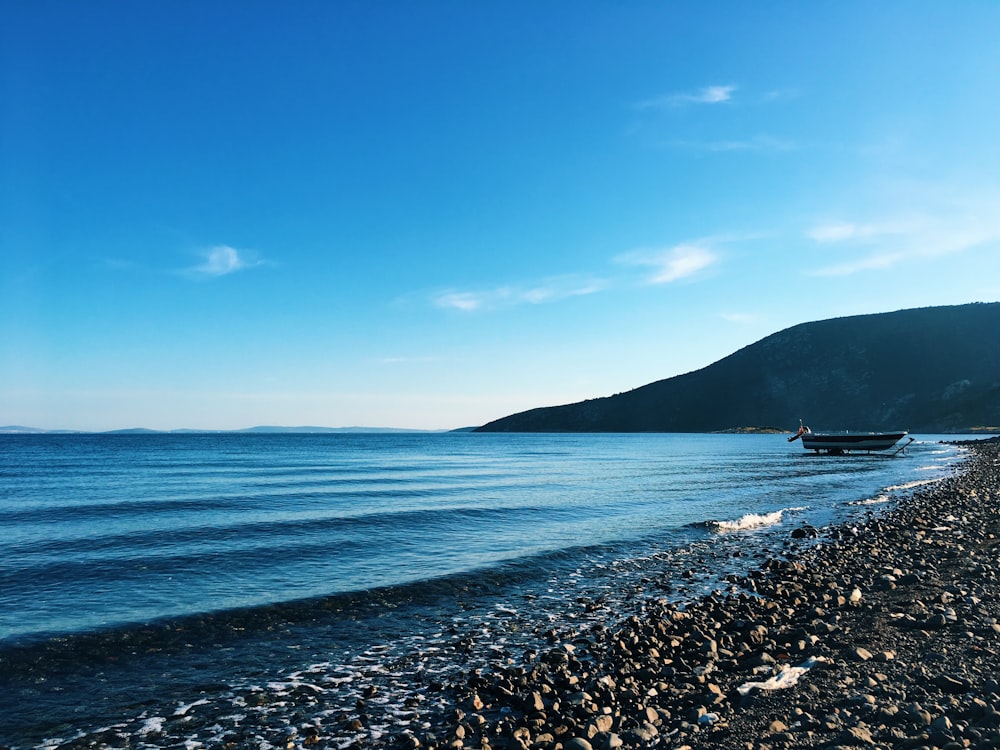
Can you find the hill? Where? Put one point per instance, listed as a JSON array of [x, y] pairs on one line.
[[928, 370]]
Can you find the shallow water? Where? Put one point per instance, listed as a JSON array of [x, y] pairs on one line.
[[136, 570]]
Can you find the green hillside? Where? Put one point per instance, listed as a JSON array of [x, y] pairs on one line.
[[926, 370]]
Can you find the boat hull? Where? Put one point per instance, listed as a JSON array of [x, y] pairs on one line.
[[845, 442]]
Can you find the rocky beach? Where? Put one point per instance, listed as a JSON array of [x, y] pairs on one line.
[[886, 634], [880, 633]]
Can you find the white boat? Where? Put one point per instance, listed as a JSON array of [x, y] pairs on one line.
[[847, 442]]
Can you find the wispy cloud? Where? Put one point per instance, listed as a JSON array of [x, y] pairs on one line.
[[660, 266], [827, 233], [713, 94], [706, 95], [842, 231], [949, 221], [652, 109], [408, 360], [743, 319], [671, 264], [879, 261], [222, 260], [764, 143], [757, 144], [466, 301], [550, 290], [775, 95]]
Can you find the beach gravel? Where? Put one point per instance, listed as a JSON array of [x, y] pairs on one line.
[[880, 634]]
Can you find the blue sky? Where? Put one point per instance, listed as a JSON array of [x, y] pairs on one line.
[[430, 215]]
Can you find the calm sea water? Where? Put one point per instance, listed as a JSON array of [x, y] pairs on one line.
[[106, 537]]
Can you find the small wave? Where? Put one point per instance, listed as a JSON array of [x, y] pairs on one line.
[[182, 710], [152, 725], [877, 500], [912, 485], [748, 521]]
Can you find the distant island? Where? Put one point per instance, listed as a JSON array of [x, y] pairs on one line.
[[264, 429], [929, 370], [752, 431]]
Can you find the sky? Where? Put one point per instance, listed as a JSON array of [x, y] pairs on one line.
[[216, 215]]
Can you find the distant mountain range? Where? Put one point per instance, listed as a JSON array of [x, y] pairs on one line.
[[16, 429], [929, 370]]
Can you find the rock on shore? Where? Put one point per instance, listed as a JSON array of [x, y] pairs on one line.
[[882, 635]]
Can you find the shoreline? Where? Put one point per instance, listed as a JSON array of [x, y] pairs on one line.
[[671, 674], [891, 630]]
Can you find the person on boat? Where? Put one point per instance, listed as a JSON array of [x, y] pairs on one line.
[[803, 430]]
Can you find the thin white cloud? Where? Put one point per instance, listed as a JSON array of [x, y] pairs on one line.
[[837, 232], [948, 222], [779, 94], [714, 94], [706, 95], [842, 231], [466, 301], [742, 319], [222, 260], [761, 143], [668, 265], [407, 360], [878, 261], [671, 264], [551, 290]]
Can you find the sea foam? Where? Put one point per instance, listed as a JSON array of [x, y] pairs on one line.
[[914, 484], [786, 678], [748, 521]]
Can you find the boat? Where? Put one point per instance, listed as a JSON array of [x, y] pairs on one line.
[[847, 441]]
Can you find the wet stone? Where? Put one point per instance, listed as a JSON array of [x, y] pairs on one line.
[[858, 735], [950, 684], [935, 622], [860, 654]]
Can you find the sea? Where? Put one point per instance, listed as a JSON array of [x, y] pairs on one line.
[[150, 576]]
